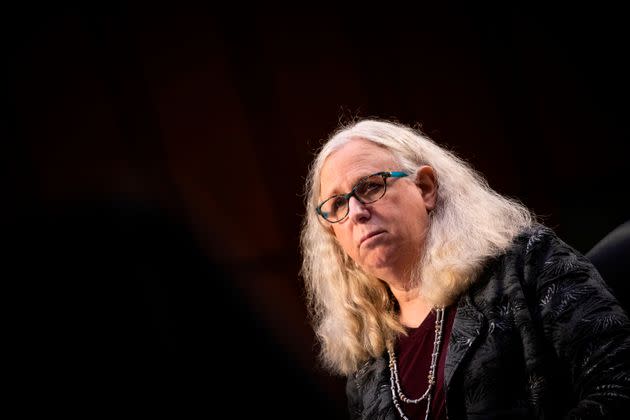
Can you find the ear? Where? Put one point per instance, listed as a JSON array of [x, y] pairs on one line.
[[425, 181]]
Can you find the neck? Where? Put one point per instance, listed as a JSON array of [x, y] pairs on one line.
[[414, 308]]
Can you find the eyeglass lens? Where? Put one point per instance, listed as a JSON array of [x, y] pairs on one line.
[[367, 191]]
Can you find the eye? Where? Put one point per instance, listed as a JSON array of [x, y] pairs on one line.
[[336, 204], [370, 187]]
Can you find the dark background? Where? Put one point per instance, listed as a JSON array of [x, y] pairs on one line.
[[154, 156]]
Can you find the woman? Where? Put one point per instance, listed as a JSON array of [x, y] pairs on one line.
[[437, 297]]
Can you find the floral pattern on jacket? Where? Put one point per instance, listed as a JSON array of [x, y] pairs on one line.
[[538, 336]]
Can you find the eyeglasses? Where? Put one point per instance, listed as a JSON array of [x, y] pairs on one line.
[[367, 190]]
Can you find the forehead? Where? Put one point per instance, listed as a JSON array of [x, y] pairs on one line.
[[352, 161]]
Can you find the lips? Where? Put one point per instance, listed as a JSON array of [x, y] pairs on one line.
[[369, 235]]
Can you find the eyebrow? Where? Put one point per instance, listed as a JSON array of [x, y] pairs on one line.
[[335, 191]]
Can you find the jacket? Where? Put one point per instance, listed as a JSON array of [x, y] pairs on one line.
[[539, 335]]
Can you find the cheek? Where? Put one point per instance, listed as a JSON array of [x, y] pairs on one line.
[[344, 239]]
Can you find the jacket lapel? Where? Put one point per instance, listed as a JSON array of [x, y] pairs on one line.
[[467, 327]]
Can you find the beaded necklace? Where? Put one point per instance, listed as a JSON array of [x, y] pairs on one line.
[[393, 369]]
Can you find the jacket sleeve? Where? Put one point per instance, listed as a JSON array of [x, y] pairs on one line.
[[586, 325]]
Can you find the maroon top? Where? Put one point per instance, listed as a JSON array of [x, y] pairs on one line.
[[413, 355]]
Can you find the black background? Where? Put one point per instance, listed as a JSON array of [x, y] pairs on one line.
[[154, 156]]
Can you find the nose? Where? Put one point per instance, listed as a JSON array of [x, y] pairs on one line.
[[358, 212]]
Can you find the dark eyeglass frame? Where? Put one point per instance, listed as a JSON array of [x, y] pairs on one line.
[[353, 193]]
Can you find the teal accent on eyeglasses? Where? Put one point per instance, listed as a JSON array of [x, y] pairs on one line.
[[367, 190]]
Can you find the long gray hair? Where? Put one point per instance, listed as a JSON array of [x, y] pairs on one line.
[[353, 313]]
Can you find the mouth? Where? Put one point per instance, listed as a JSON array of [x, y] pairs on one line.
[[370, 235]]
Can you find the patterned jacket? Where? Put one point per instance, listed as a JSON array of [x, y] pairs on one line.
[[538, 336]]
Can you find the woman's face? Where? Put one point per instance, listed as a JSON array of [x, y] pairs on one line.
[[384, 238]]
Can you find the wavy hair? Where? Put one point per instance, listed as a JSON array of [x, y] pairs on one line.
[[353, 313]]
